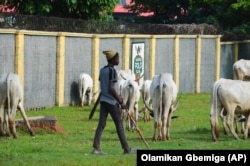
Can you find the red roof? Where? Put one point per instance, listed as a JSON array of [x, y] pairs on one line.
[[4, 7], [120, 9]]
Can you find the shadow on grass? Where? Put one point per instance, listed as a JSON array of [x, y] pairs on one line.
[[204, 134]]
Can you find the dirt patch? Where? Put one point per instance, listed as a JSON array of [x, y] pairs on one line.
[[38, 123]]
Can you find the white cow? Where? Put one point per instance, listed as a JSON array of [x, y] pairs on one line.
[[130, 93], [85, 86], [232, 96], [146, 96], [11, 98], [122, 76], [163, 93], [241, 69]]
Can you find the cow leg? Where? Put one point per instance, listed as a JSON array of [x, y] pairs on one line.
[[81, 93], [156, 121], [159, 127], [12, 126], [136, 112], [2, 119], [81, 98], [90, 97], [214, 122], [20, 106], [169, 123], [230, 121], [164, 128], [128, 121], [236, 124], [155, 129], [164, 125], [223, 114], [12, 116], [246, 127], [131, 115], [6, 126], [144, 114]]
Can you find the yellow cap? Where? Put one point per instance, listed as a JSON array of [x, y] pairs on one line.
[[109, 54]]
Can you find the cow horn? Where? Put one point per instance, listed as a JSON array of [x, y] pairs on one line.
[[150, 109], [176, 105], [123, 77], [138, 79]]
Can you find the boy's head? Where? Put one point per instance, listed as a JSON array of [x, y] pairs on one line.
[[112, 56]]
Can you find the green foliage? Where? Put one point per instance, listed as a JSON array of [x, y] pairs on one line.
[[241, 4], [83, 9], [164, 11], [191, 130], [226, 13]]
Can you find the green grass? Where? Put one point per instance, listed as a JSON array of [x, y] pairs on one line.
[[191, 130]]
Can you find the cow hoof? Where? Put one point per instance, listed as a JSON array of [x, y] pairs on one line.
[[215, 139], [32, 133]]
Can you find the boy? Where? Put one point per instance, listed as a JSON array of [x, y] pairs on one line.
[[110, 101]]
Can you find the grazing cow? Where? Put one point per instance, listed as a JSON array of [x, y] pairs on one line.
[[130, 93], [122, 76], [232, 97], [146, 96], [85, 86], [11, 98], [241, 69], [163, 93]]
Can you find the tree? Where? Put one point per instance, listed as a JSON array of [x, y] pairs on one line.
[[227, 13], [78, 9], [164, 10]]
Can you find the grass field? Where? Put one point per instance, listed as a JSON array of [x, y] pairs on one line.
[[191, 130]]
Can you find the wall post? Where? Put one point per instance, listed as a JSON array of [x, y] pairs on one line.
[[176, 60], [152, 57], [217, 58], [19, 57], [236, 51], [126, 52], [95, 62], [198, 64], [60, 61]]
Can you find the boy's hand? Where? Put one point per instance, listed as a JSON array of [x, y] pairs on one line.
[[124, 106]]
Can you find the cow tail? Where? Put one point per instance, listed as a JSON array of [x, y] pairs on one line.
[[80, 86], [215, 112], [84, 86], [131, 96], [161, 91], [9, 82]]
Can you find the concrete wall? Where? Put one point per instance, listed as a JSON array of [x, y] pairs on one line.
[[49, 63]]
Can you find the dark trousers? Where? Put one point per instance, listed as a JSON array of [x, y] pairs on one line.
[[115, 113]]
